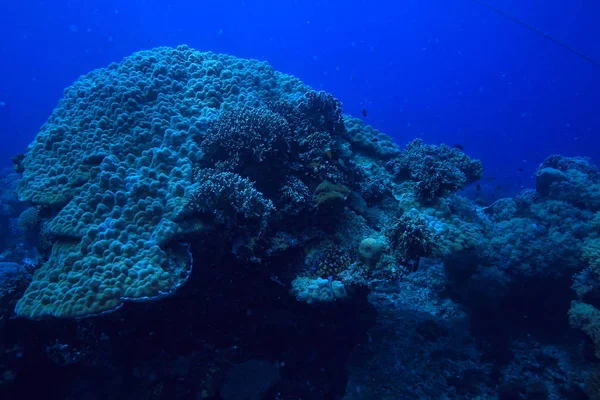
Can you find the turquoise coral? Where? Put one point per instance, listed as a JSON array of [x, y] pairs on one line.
[[146, 155], [116, 157]]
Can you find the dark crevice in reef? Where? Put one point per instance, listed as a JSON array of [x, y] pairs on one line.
[[226, 314], [527, 307]]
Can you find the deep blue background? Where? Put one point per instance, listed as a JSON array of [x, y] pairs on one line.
[[443, 70]]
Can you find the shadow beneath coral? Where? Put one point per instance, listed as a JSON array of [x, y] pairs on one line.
[[184, 345]]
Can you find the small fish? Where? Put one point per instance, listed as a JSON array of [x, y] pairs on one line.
[[490, 178], [364, 112], [499, 187], [478, 187], [521, 169], [459, 146]]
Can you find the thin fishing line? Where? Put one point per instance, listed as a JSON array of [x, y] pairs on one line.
[[539, 32]]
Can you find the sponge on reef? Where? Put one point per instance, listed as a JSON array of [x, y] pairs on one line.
[[116, 159]]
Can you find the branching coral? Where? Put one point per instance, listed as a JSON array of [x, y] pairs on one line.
[[245, 135], [316, 122], [225, 198], [436, 170], [310, 113], [328, 260], [323, 111], [373, 188], [295, 197], [315, 149], [411, 238]]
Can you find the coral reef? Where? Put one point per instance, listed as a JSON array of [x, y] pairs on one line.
[[411, 238], [331, 198], [244, 135], [116, 158], [435, 170], [370, 250], [29, 220], [229, 201], [572, 179], [318, 290], [369, 141], [587, 318], [224, 223], [328, 260]]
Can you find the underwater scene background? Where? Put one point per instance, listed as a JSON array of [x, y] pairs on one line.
[[300, 200]]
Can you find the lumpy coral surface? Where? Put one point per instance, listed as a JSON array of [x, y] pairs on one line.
[[116, 159]]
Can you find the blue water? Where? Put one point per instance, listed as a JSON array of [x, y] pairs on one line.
[[446, 71]]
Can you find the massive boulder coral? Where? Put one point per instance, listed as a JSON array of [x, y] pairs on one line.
[[144, 161], [116, 160], [368, 140], [572, 179]]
